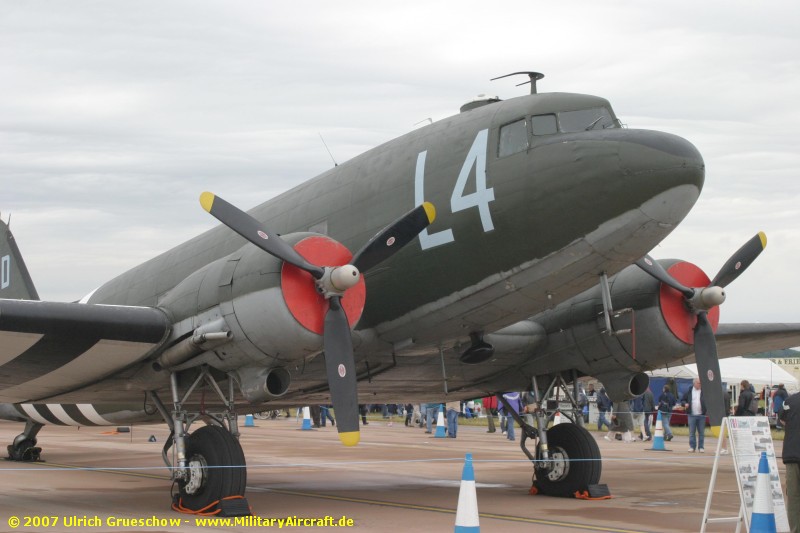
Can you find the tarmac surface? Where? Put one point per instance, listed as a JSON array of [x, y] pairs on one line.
[[396, 479]]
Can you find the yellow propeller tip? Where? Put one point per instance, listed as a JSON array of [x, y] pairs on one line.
[[207, 200], [350, 438], [430, 211], [763, 237]]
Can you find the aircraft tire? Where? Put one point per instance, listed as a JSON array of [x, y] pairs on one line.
[[577, 462], [213, 446]]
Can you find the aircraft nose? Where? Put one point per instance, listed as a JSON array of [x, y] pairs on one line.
[[670, 166]]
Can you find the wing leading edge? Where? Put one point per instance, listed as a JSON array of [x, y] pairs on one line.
[[49, 348]]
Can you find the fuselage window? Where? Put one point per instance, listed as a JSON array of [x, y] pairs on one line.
[[544, 124], [513, 138], [598, 118]]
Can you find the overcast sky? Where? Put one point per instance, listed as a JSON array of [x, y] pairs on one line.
[[115, 115]]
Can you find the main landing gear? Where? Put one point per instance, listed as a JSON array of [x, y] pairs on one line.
[[209, 469], [24, 446], [566, 458]]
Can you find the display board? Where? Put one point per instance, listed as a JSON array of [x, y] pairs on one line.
[[749, 436]]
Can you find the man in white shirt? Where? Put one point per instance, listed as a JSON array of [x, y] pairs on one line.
[[695, 407]]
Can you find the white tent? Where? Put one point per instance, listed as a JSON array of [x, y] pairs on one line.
[[759, 372]]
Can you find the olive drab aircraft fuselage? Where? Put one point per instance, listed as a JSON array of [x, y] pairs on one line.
[[505, 239]]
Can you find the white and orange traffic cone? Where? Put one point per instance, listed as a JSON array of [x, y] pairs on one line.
[[467, 520], [762, 520], [557, 418], [658, 439], [306, 418]]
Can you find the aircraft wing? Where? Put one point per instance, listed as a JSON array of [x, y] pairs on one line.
[[745, 339], [49, 348]]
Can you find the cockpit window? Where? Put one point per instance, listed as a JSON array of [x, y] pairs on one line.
[[513, 138], [597, 118], [544, 124]]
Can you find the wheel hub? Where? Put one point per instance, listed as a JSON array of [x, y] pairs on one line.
[[559, 462], [198, 473]]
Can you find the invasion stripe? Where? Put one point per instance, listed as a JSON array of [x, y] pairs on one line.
[[50, 353], [62, 415], [33, 414], [75, 414], [47, 414], [91, 413]]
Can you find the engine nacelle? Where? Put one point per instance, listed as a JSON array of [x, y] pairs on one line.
[[652, 327], [272, 308]]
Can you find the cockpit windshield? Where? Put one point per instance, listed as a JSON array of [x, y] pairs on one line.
[[597, 118]]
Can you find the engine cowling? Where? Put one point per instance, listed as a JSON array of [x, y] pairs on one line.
[[272, 308]]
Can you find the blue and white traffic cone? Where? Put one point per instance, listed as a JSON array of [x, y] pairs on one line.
[[306, 418], [249, 422], [658, 439], [440, 427], [467, 510], [763, 518]]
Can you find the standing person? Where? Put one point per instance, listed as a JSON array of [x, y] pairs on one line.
[[649, 405], [409, 414], [452, 418], [362, 409], [603, 407], [748, 403], [325, 415], [695, 406], [636, 406], [432, 413], [316, 413], [790, 419], [515, 405], [490, 406], [665, 404], [777, 404]]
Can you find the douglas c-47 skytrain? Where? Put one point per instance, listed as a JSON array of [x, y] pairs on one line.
[[503, 248]]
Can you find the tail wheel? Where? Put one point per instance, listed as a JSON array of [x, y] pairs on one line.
[[216, 468], [574, 462]]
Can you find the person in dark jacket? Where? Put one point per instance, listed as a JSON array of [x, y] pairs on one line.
[[747, 400], [665, 404], [777, 404], [649, 407], [695, 406], [603, 407], [790, 418]]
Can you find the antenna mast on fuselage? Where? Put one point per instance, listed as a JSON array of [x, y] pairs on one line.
[[534, 77]]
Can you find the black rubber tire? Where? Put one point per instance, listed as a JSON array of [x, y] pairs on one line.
[[219, 449], [576, 445]]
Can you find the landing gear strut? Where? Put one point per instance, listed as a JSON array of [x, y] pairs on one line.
[[566, 458], [209, 464], [24, 446]]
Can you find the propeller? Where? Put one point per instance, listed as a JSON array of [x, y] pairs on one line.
[[331, 282], [699, 301]]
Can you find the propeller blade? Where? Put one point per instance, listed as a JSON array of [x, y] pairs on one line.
[[705, 350], [740, 260], [394, 236], [652, 267], [341, 368], [251, 229]]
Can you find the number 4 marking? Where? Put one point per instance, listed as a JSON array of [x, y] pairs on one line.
[[459, 201], [482, 196]]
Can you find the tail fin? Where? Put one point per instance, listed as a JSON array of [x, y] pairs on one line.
[[15, 281]]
